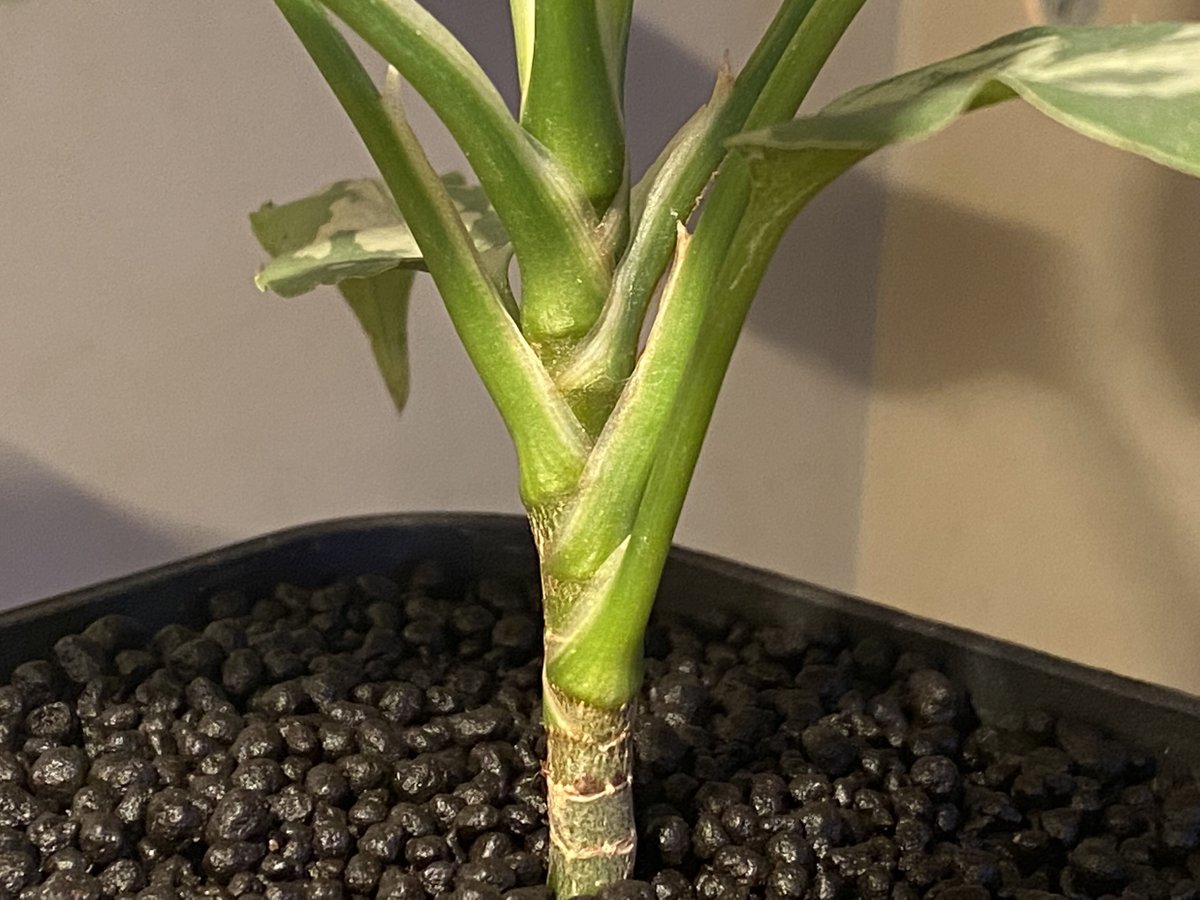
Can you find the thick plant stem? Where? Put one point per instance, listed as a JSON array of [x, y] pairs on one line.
[[589, 751], [589, 793]]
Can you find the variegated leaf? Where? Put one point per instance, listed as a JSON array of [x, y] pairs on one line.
[[353, 229], [351, 234], [1136, 87]]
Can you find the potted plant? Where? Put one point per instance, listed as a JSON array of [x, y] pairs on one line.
[[607, 428], [607, 432]]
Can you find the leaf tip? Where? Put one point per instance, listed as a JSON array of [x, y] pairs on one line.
[[393, 99], [261, 283], [723, 86]]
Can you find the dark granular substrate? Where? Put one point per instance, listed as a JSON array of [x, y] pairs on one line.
[[367, 740]]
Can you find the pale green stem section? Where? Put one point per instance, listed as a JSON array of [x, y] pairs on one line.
[[770, 88], [601, 512], [570, 103], [589, 753], [609, 643], [589, 793], [551, 446], [570, 106], [521, 12]]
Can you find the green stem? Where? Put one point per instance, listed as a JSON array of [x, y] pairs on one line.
[[570, 103], [589, 794], [540, 203], [603, 507], [605, 646], [802, 61], [589, 758], [550, 444], [769, 88], [604, 360]]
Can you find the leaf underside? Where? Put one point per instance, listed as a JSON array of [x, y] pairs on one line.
[[1134, 87], [381, 305], [351, 234]]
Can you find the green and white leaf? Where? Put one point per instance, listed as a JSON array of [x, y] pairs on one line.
[[353, 229], [381, 305], [351, 234], [1135, 87]]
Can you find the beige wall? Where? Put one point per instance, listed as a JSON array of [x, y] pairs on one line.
[[154, 404], [1033, 432], [1032, 466]]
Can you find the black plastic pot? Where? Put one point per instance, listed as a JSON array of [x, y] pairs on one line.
[[1001, 677]]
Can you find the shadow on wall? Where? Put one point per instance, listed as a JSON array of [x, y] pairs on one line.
[[991, 301], [56, 535], [1178, 279], [983, 301], [818, 297]]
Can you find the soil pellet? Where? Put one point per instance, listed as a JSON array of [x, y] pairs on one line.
[[380, 738]]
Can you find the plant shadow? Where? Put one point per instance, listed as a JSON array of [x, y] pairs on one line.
[[56, 535], [1177, 277], [1001, 305], [819, 295]]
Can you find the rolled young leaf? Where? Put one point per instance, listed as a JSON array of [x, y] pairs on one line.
[[1135, 87], [522, 23], [353, 229], [572, 100]]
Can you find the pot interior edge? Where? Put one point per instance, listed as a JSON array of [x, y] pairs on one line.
[[1001, 678], [312, 554]]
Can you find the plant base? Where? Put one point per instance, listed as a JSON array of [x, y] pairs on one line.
[[589, 794]]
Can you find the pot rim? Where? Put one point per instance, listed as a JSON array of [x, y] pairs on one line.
[[1002, 676]]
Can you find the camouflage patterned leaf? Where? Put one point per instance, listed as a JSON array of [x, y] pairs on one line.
[[352, 229]]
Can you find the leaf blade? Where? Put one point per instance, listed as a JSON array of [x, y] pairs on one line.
[[380, 304], [1134, 87], [353, 229]]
